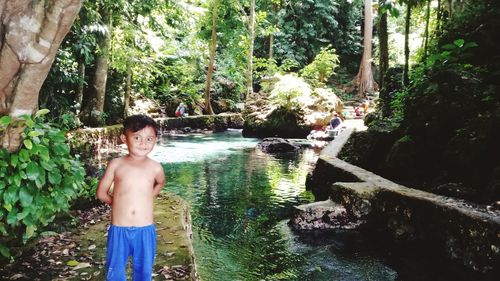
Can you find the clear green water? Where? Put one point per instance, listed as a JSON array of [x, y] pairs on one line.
[[240, 202]]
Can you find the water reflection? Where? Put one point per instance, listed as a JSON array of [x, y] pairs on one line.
[[240, 200]]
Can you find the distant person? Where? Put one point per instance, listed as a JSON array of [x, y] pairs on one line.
[[357, 111], [180, 111], [136, 181], [335, 121], [366, 105]]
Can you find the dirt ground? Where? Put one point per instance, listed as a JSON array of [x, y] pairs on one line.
[[79, 254]]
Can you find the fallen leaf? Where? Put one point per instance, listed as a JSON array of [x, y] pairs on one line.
[[72, 263], [92, 247], [82, 265]]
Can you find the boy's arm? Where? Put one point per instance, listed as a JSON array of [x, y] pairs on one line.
[[159, 180], [107, 179]]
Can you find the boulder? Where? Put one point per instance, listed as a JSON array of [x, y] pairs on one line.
[[322, 215], [276, 145]]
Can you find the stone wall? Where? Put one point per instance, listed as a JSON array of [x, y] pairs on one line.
[[462, 233]]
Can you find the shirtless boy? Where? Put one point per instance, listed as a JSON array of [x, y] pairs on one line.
[[136, 181]]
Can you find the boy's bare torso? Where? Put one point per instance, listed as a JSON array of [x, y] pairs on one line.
[[133, 192]]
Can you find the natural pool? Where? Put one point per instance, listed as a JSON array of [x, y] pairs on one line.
[[241, 199]]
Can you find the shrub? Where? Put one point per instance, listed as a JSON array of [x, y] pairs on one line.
[[37, 182]]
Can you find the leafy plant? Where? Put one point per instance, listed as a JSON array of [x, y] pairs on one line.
[[451, 52], [323, 66], [36, 182]]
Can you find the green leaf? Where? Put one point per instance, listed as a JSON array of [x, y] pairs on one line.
[[4, 251], [8, 207], [10, 195], [55, 177], [32, 171], [25, 197], [5, 120], [459, 42], [24, 155], [34, 133], [48, 233], [449, 47], [22, 215], [47, 165], [17, 180], [13, 160], [30, 231], [61, 149], [12, 217], [43, 151], [41, 112], [29, 123], [28, 144], [471, 45], [72, 263], [2, 229], [40, 181]]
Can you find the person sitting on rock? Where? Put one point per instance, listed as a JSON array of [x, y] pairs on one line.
[[335, 121], [180, 111], [334, 128]]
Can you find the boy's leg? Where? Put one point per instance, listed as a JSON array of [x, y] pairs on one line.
[[143, 256], [117, 253]]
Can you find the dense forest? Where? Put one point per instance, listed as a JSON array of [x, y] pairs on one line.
[[432, 69]]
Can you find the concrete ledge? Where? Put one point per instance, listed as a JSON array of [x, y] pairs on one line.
[[217, 123], [462, 232]]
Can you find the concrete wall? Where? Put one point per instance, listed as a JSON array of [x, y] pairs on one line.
[[463, 233]]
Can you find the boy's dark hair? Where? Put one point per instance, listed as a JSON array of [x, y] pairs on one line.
[[138, 122]]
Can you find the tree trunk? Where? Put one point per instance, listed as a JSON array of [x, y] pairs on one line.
[[271, 36], [438, 18], [30, 34], [251, 29], [210, 70], [383, 62], [406, 79], [365, 74], [93, 103], [128, 90], [426, 32], [81, 83]]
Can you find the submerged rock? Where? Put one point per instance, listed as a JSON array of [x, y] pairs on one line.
[[322, 215], [277, 145]]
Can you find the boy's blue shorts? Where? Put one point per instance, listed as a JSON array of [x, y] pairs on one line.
[[125, 241]]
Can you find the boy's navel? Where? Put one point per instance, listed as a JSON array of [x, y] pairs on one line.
[[133, 212]]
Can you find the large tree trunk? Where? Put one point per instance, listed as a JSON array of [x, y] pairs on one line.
[[383, 61], [251, 29], [365, 74], [93, 101], [30, 34], [210, 71]]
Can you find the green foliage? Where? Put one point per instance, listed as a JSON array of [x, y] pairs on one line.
[[302, 28], [36, 182], [322, 68], [451, 53]]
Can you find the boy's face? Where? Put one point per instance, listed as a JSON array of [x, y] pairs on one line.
[[140, 143]]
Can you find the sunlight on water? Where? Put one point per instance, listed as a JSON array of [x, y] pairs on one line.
[[192, 148], [240, 200]]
